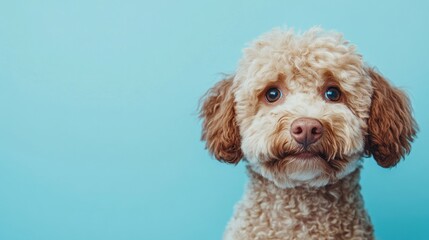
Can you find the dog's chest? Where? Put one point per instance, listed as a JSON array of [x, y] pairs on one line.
[[266, 213]]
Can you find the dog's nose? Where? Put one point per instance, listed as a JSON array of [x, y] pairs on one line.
[[306, 131]]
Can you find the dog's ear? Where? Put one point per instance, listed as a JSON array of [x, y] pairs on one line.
[[391, 126], [220, 129]]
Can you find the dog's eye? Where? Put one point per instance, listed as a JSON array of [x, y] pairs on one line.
[[273, 94], [333, 94]]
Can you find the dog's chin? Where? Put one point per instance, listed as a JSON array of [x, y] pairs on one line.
[[304, 169]]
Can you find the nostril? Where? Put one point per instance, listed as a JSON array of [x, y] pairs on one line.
[[297, 130], [315, 131]]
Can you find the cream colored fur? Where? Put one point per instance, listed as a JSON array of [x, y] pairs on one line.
[[302, 59]]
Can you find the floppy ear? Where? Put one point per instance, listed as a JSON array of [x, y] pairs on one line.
[[220, 130], [391, 127]]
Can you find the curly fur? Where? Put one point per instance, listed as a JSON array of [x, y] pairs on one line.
[[220, 130], [391, 128], [317, 197], [334, 212]]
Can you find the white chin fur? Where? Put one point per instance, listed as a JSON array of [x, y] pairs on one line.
[[306, 178], [305, 175]]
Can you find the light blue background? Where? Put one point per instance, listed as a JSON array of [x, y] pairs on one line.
[[99, 136]]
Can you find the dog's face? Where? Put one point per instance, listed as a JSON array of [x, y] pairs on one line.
[[303, 109]]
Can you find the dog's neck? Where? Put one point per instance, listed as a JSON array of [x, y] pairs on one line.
[[334, 211], [347, 185]]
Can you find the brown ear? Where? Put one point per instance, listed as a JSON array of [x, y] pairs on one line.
[[391, 127], [220, 130]]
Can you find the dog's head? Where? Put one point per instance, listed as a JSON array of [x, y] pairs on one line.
[[303, 109]]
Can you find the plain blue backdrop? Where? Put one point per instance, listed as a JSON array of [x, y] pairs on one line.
[[99, 136]]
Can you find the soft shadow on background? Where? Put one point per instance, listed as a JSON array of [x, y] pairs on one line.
[[99, 136]]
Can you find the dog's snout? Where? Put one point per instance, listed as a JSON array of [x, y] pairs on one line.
[[306, 131]]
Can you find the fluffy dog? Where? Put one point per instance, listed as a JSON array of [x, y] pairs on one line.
[[302, 110]]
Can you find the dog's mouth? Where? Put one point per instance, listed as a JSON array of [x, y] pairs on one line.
[[305, 155], [307, 158], [301, 155]]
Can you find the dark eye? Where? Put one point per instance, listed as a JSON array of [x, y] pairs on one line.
[[273, 94], [333, 94]]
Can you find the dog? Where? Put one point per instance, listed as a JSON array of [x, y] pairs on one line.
[[302, 110]]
